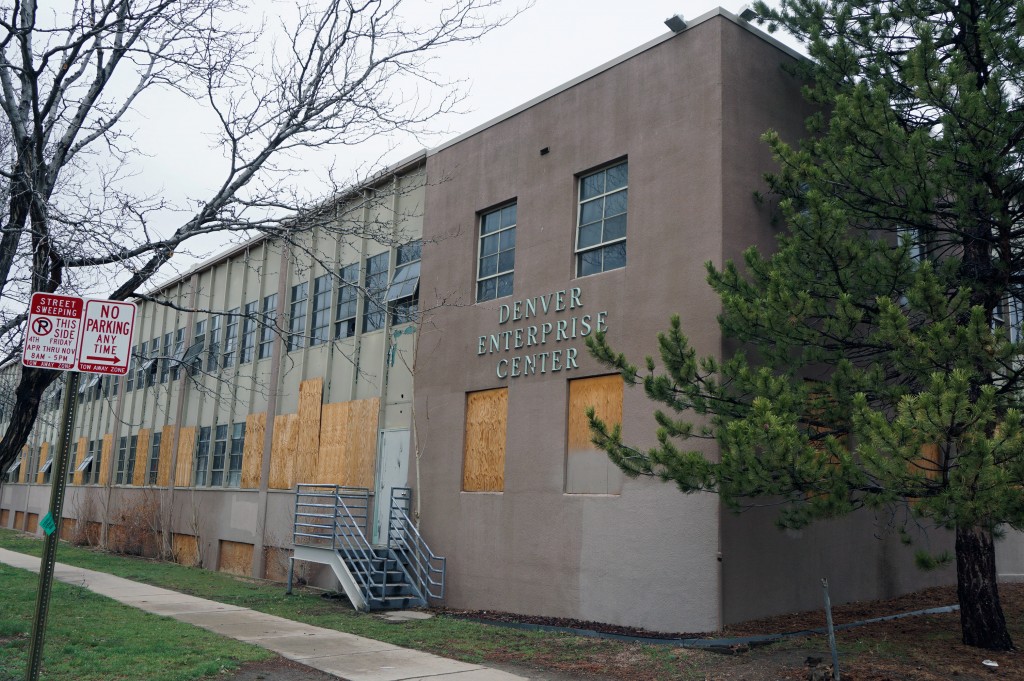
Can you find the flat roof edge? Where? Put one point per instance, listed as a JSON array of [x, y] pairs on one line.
[[692, 23]]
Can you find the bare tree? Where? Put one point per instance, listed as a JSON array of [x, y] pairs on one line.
[[348, 70]]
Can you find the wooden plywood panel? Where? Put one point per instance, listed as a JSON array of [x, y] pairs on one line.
[[282, 456], [348, 443], [5, 517], [362, 443], [930, 462], [141, 458], [275, 561], [588, 469], [107, 456], [308, 445], [44, 454], [604, 394], [19, 520], [252, 453], [163, 474], [33, 523], [186, 446], [235, 558], [67, 528], [483, 462], [185, 548], [79, 457], [23, 469]]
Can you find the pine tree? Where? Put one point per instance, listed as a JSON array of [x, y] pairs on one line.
[[882, 349]]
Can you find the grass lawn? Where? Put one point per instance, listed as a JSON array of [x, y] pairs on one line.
[[91, 637]]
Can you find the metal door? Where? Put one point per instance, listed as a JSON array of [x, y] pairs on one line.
[[392, 471]]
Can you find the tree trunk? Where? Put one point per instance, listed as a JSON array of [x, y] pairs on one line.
[[26, 407], [981, 616]]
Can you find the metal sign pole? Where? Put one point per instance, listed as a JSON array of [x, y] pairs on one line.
[[51, 524]]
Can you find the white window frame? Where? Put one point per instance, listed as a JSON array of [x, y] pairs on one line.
[[603, 244]]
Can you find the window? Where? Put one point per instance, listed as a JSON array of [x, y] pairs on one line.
[[153, 473], [213, 358], [483, 462], [90, 466], [13, 470], [348, 296], [248, 333], [497, 253], [202, 456], [133, 366], [601, 233], [220, 447], [374, 307], [46, 469], [588, 470], [231, 338], [235, 457], [297, 316], [403, 293], [321, 310], [165, 361], [140, 366], [126, 460], [179, 353], [194, 353], [151, 368], [269, 325]]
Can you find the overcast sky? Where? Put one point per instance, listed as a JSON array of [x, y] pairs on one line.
[[548, 44]]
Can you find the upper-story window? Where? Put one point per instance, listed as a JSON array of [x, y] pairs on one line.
[[165, 359], [269, 326], [231, 338], [375, 310], [248, 333], [320, 331], [348, 297], [497, 253], [601, 226], [297, 323], [213, 358], [404, 291], [179, 353], [198, 343]]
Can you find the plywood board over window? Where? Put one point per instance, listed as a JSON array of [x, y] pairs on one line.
[[186, 452], [235, 558], [79, 458], [308, 446], [44, 455], [23, 469], [163, 472], [108, 458], [588, 470], [282, 456], [483, 461], [348, 443], [141, 458], [252, 452]]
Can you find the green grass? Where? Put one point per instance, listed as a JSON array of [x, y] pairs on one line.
[[90, 637], [448, 636]]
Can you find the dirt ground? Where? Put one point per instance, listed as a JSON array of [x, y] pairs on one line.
[[922, 648]]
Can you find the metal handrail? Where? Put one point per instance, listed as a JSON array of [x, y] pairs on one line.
[[426, 569], [322, 515]]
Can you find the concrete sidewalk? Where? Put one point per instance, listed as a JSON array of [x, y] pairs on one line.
[[344, 655]]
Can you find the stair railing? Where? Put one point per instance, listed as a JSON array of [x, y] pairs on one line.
[[426, 569], [336, 516]]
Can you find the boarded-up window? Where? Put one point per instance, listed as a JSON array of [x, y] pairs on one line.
[[588, 470], [483, 467]]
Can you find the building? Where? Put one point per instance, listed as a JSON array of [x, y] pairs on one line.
[[594, 206]]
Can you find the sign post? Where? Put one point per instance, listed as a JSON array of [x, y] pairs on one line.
[[67, 333]]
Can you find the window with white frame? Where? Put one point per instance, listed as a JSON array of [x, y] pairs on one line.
[[269, 326], [601, 225], [220, 448], [297, 316], [126, 460], [348, 299], [133, 365], [202, 461], [153, 473], [497, 253], [194, 353], [403, 295], [213, 358], [122, 458], [248, 333], [179, 353], [231, 338], [375, 309], [321, 329], [165, 360], [234, 478]]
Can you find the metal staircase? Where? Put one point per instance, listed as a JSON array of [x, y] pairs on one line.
[[331, 526]]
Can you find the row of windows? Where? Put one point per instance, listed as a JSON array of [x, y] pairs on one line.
[[600, 243]]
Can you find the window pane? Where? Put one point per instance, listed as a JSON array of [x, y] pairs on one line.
[[507, 240], [617, 177], [590, 262], [589, 235], [488, 266], [489, 245], [491, 222], [506, 261], [614, 204], [615, 228], [485, 290], [590, 212], [592, 186], [614, 256], [504, 285], [508, 215]]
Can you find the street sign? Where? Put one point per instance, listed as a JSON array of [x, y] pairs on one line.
[[52, 333], [107, 329]]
